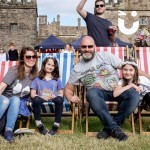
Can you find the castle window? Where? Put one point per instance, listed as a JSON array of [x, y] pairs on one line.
[[28, 1], [8, 0], [19, 1], [143, 20], [13, 27]]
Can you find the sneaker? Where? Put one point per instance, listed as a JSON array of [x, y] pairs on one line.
[[103, 134], [9, 136], [42, 129], [119, 134], [53, 131]]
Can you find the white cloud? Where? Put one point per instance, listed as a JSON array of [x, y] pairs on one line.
[[65, 8]]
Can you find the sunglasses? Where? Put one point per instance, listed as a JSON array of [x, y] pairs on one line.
[[28, 57], [1, 49], [97, 6], [86, 46]]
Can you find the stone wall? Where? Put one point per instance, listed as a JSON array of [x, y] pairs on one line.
[[18, 23]]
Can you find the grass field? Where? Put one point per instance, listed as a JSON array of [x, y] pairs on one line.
[[78, 141]]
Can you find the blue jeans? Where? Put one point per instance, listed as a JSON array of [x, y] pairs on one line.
[[128, 102], [11, 105]]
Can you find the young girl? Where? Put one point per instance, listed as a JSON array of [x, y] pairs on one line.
[[131, 80], [47, 87], [15, 86]]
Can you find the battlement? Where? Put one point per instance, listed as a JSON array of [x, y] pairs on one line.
[[9, 4], [141, 5]]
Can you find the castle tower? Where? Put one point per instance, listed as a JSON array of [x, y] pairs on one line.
[[18, 23], [79, 23], [58, 20]]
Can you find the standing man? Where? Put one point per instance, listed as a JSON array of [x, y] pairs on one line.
[[13, 53], [95, 71], [100, 29]]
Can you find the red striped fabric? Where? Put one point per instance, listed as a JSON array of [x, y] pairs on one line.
[[144, 59], [5, 66]]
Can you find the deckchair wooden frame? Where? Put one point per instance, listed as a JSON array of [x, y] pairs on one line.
[[140, 112], [85, 105]]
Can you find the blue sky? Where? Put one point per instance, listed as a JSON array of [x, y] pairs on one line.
[[65, 8]]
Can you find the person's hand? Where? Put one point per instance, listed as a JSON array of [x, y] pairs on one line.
[[48, 97], [137, 88], [75, 99], [114, 27]]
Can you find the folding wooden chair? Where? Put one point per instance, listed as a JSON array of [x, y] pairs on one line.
[[142, 56], [65, 62], [112, 105]]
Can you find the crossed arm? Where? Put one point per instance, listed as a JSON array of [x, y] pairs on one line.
[[2, 87]]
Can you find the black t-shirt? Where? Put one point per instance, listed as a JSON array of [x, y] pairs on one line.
[[13, 55], [98, 29]]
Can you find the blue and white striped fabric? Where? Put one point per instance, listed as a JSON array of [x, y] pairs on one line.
[[65, 63]]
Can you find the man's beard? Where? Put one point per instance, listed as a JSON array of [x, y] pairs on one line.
[[97, 13], [88, 58]]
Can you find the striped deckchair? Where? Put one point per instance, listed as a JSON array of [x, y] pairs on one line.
[[144, 59], [142, 55], [5, 66], [65, 62], [112, 105]]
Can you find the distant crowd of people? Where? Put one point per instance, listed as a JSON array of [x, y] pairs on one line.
[[12, 54]]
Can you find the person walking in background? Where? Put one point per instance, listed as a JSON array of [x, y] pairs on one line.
[[47, 87], [99, 28], [13, 53], [16, 86], [3, 55]]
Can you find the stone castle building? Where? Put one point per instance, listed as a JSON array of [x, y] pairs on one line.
[[65, 33], [18, 21], [70, 33], [142, 7]]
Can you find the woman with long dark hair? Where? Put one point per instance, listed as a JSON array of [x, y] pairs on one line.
[[15, 86]]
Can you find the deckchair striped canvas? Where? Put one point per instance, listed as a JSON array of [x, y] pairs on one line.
[[65, 62], [144, 59], [5, 66]]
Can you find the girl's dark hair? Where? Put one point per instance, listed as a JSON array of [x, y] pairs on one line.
[[136, 74], [55, 73], [21, 68]]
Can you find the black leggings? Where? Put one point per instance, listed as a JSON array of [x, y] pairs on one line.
[[37, 102], [146, 98]]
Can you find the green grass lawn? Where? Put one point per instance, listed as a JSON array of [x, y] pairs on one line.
[[78, 141]]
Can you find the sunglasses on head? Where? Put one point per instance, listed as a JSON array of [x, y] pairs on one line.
[[1, 49], [97, 6], [28, 57], [86, 46]]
